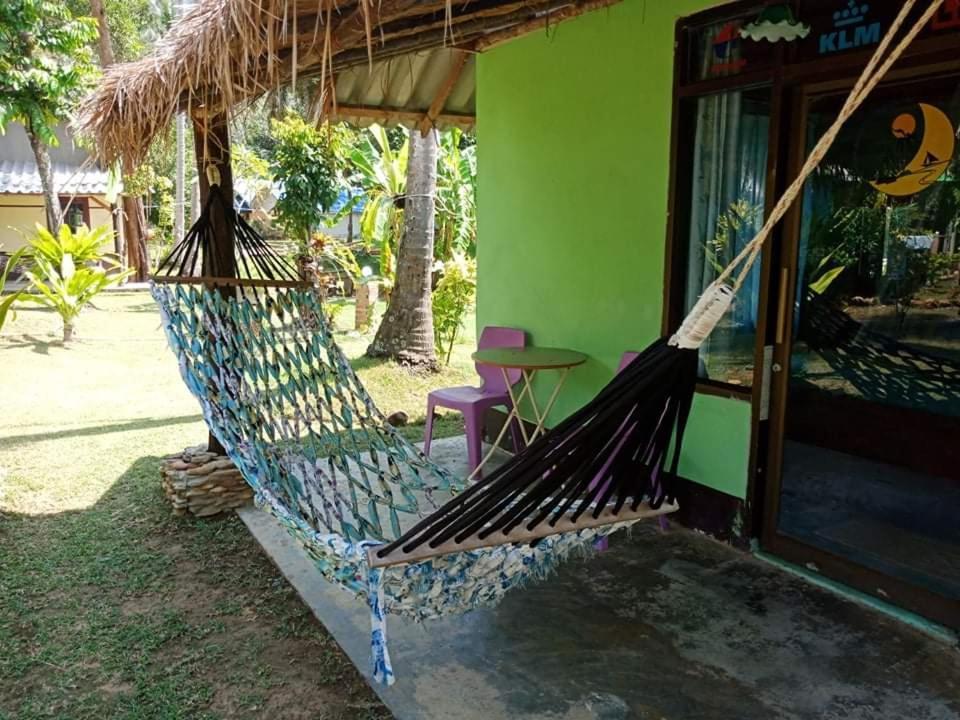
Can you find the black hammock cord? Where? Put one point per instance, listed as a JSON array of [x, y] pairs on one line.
[[612, 449], [255, 258]]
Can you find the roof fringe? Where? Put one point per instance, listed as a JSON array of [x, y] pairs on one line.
[[223, 53]]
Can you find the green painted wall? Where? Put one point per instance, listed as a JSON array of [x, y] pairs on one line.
[[574, 136]]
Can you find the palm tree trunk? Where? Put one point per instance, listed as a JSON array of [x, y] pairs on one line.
[[51, 200], [406, 332]]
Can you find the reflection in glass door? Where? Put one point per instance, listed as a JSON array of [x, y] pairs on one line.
[[870, 470]]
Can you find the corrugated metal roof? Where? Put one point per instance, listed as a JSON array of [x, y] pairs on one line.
[[401, 89], [21, 177]]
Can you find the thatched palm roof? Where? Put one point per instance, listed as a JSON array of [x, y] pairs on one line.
[[224, 53]]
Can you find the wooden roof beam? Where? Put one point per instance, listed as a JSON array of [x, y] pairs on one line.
[[443, 92], [385, 116]]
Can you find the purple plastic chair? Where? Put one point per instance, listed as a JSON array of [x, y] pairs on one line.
[[474, 402]]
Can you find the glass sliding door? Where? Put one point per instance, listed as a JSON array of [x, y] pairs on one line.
[[868, 388]]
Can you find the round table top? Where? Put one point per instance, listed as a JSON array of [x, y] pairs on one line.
[[530, 358]]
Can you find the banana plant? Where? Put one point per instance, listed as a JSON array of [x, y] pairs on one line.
[[382, 173], [456, 207]]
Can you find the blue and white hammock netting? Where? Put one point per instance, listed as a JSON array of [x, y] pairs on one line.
[[281, 397]]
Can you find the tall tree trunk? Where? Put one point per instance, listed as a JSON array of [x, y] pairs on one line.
[[105, 47], [135, 232], [51, 201], [134, 217], [406, 332]]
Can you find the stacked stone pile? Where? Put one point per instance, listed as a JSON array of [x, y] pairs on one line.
[[203, 483]]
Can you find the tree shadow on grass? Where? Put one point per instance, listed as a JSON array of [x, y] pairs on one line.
[[41, 347], [122, 610], [145, 307], [365, 362], [137, 424]]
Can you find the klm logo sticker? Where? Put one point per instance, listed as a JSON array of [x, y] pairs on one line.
[[850, 30]]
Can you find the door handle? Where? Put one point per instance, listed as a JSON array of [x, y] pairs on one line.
[[782, 305]]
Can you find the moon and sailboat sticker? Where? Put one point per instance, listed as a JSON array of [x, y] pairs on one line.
[[932, 158]]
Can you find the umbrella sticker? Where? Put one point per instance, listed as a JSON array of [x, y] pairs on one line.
[[775, 23]]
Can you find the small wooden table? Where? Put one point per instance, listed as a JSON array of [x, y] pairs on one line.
[[529, 361]]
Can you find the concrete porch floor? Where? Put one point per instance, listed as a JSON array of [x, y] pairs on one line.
[[663, 626]]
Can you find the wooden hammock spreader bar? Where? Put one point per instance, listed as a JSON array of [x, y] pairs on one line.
[[226, 281], [520, 534]]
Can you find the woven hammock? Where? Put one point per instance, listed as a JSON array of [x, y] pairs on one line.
[[259, 355], [374, 513]]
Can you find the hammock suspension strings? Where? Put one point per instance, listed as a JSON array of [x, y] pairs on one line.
[[255, 258], [609, 455]]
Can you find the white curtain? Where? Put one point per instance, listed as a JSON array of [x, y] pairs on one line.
[[728, 180]]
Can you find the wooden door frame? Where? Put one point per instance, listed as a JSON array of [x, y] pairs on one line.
[[783, 274]]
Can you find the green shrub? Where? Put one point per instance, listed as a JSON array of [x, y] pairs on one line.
[[452, 299], [306, 161]]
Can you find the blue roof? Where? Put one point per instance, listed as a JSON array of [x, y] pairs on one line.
[[359, 200]]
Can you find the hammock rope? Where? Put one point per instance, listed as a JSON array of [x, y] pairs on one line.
[[373, 512]]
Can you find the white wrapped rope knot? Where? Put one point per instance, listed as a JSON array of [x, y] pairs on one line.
[[704, 316]]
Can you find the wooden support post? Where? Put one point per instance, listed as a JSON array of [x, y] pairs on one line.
[[212, 145]]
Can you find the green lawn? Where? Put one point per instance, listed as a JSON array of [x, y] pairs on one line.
[[111, 607]]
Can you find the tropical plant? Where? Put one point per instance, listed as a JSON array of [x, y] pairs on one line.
[[65, 282], [251, 172], [452, 299], [456, 196], [823, 276], [45, 65], [306, 162], [6, 302], [382, 173], [331, 252], [133, 25], [159, 210], [738, 216], [82, 245]]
